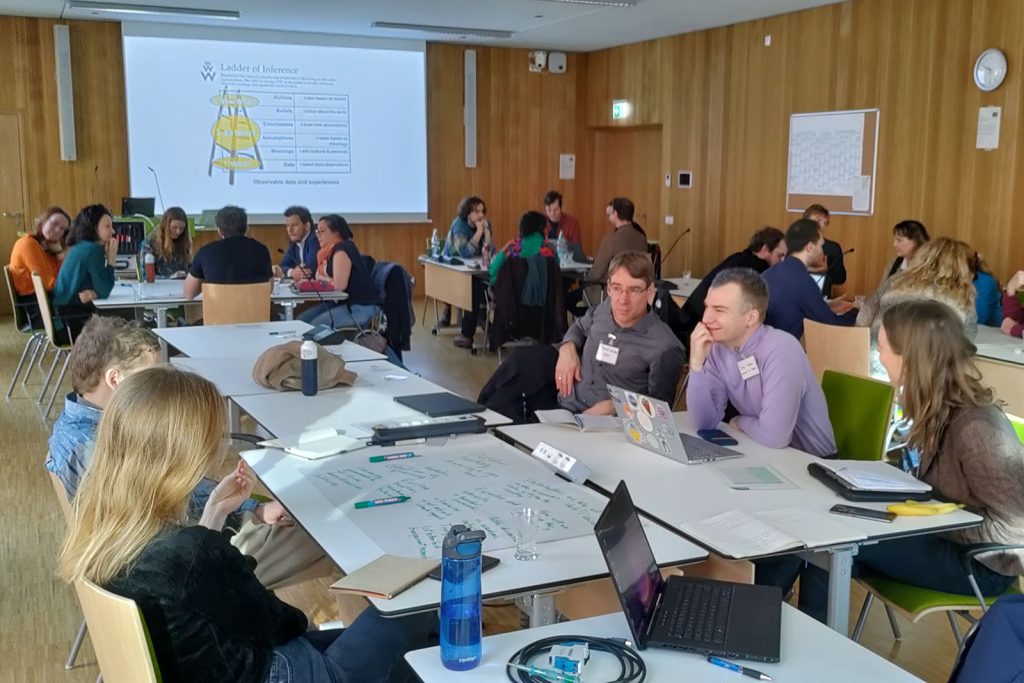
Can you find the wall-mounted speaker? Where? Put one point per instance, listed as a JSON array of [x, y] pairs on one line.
[[65, 94], [469, 106]]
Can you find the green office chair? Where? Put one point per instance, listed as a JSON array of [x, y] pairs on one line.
[[914, 602], [859, 409]]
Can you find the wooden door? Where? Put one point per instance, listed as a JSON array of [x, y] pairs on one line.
[[12, 190], [627, 163]]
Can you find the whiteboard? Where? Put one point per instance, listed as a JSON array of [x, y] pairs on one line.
[[832, 161]]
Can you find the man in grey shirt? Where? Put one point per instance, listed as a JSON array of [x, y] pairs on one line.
[[619, 342]]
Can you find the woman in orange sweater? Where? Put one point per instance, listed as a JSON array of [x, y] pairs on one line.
[[40, 251]]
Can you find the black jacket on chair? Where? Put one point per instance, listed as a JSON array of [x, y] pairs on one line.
[[512, 319]]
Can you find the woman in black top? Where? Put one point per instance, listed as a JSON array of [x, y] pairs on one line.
[[209, 618], [340, 264]]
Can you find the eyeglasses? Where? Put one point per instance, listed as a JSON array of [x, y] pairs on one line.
[[616, 289]]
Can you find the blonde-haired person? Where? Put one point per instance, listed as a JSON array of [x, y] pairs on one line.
[[969, 451], [941, 271], [209, 617], [109, 351], [170, 244]]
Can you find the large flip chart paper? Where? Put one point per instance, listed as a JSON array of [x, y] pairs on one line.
[[446, 488]]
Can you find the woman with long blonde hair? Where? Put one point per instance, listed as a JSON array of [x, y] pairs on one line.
[[969, 452], [941, 271], [209, 617], [170, 244]]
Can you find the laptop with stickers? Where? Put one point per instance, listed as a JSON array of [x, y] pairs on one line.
[[647, 422]]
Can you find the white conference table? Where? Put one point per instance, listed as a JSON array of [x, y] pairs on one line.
[[370, 400], [164, 295], [560, 563], [249, 340], [677, 494], [992, 343], [809, 652]]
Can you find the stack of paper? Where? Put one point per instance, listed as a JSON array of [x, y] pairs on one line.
[[740, 534]]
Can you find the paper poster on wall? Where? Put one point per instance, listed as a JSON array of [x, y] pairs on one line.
[[832, 160]]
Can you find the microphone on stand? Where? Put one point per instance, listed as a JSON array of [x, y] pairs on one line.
[[664, 257], [845, 253], [158, 193], [311, 276]]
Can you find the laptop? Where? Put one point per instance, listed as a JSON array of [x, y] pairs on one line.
[[648, 423], [440, 404], [721, 618]]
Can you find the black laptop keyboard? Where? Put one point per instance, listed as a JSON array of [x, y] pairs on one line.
[[700, 612]]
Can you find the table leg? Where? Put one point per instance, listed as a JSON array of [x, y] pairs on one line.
[[540, 609], [234, 416], [839, 565], [161, 316], [289, 309]]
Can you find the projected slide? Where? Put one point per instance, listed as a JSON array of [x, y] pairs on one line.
[[266, 125]]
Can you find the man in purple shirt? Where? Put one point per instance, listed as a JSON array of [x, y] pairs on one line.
[[763, 372]]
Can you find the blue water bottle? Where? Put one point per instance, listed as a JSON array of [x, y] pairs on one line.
[[308, 353], [460, 598]]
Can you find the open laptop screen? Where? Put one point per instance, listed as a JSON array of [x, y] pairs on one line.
[[630, 561]]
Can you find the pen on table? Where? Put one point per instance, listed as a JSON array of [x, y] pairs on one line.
[[393, 456], [282, 334], [381, 501], [753, 673]]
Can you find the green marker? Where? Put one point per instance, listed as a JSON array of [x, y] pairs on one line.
[[381, 501], [393, 456]]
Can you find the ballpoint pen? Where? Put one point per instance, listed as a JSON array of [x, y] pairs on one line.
[[752, 673]]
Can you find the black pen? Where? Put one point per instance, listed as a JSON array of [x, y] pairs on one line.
[[753, 673]]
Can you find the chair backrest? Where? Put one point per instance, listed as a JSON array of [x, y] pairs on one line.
[[62, 495], [233, 304], [860, 410], [1018, 425], [514, 319], [119, 636], [21, 318], [1007, 379], [832, 347], [43, 299]]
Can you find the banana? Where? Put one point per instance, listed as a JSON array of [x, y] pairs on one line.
[[913, 508]]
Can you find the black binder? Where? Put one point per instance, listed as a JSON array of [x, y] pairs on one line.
[[831, 480]]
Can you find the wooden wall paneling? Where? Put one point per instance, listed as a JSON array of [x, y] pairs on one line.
[[627, 163]]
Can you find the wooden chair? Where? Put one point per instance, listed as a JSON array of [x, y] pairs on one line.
[[844, 349], [1008, 381], [232, 304], [65, 506], [123, 647], [37, 337], [62, 350]]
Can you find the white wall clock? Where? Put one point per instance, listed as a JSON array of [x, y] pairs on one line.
[[990, 69]]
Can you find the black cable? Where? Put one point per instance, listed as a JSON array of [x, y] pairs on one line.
[[632, 668]]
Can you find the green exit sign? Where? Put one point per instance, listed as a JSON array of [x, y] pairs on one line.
[[620, 109]]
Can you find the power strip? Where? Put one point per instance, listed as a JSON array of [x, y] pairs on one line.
[[389, 433]]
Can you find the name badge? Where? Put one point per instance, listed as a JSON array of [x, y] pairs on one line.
[[606, 353], [748, 368]]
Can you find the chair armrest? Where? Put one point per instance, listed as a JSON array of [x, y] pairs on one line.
[[248, 438]]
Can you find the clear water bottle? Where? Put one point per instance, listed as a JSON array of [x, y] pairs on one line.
[[150, 263], [308, 353], [435, 245], [461, 626], [562, 248]]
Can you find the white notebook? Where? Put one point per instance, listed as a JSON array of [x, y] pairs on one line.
[[741, 534], [316, 443]]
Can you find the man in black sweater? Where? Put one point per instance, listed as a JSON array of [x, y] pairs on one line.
[[767, 247], [833, 268]]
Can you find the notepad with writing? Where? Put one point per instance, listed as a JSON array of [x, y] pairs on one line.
[[741, 534], [386, 577]]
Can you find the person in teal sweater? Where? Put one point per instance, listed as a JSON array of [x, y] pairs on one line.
[[531, 241], [87, 273]]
